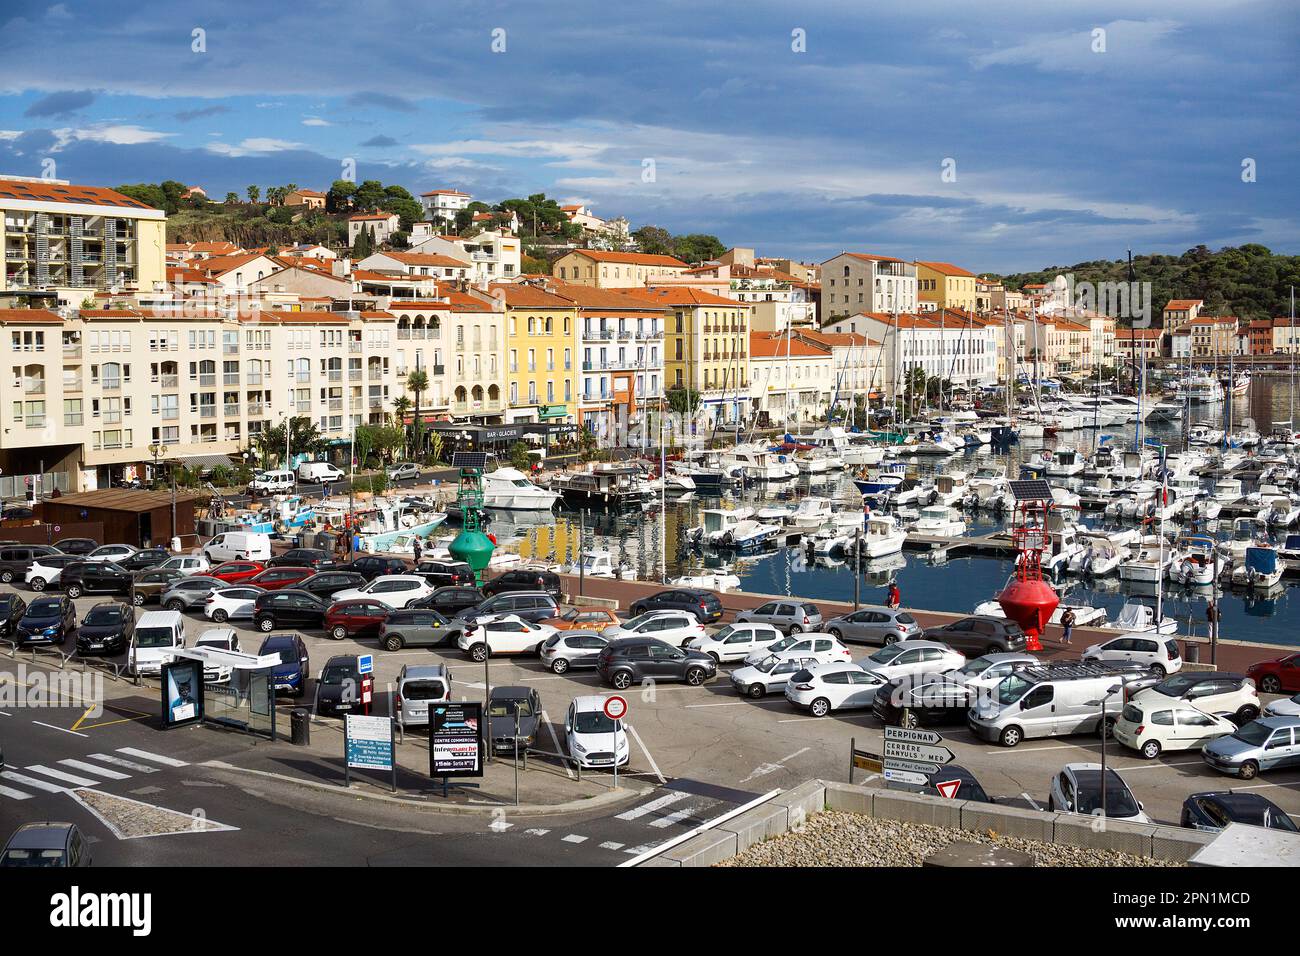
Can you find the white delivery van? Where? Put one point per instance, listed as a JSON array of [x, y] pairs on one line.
[[319, 471], [157, 634], [238, 546], [272, 482]]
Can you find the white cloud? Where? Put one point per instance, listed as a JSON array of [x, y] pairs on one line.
[[316, 121], [1131, 44], [117, 134], [253, 145], [566, 150]]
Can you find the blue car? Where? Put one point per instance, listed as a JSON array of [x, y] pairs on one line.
[[49, 620], [291, 673]]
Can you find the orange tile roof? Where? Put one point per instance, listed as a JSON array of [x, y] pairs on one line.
[[838, 339], [1180, 304], [606, 299], [871, 258], [464, 302], [26, 316], [220, 248], [219, 265], [946, 268], [778, 344], [358, 217], [630, 258], [686, 295], [445, 192], [58, 192], [416, 305], [522, 296]]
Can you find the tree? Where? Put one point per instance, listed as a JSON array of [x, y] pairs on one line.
[[401, 407], [232, 199], [465, 218], [364, 244], [172, 192], [370, 194], [654, 241], [147, 193], [683, 401], [341, 195], [698, 247], [417, 381], [254, 193]]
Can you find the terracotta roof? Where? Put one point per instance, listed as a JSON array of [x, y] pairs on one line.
[[837, 339], [1180, 304], [630, 258], [58, 192], [522, 296], [445, 192], [686, 295], [416, 305], [220, 248], [464, 302], [358, 217], [28, 316], [220, 265], [612, 300], [946, 268], [1124, 335], [778, 344], [871, 258], [308, 192]]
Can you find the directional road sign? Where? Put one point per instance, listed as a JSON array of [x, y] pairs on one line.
[[905, 776], [912, 766], [913, 736], [919, 752]]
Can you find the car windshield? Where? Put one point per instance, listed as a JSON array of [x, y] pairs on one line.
[[287, 654], [782, 644], [976, 667], [725, 633], [19, 856], [1254, 734], [506, 707], [46, 608], [902, 617], [1012, 688], [336, 673], [887, 654], [1119, 802], [592, 722], [423, 690], [767, 663], [153, 637], [1177, 685], [104, 615]]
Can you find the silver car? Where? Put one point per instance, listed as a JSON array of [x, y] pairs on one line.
[[790, 616], [403, 470], [874, 625], [566, 649], [187, 593], [1270, 743], [419, 685]]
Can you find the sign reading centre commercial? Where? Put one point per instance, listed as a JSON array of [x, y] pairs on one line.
[[456, 739]]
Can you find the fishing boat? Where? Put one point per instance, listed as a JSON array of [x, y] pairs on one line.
[[747, 535], [1261, 570], [509, 489], [1194, 564], [886, 478], [1149, 563], [810, 513], [882, 536], [940, 521]]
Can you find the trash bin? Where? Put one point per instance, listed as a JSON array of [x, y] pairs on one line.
[[1192, 652], [300, 727]]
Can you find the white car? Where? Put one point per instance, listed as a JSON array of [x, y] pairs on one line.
[[502, 634], [1283, 707], [592, 739], [806, 645], [393, 590], [47, 568], [231, 603], [822, 688], [111, 552], [221, 639], [187, 564], [768, 675], [907, 658], [672, 627], [985, 672], [735, 642], [1158, 653], [1151, 724], [1077, 789]]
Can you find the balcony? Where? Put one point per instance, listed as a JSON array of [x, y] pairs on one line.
[[302, 407], [303, 377], [253, 378], [440, 370], [71, 351], [170, 414], [355, 375], [169, 382], [208, 381], [356, 404], [256, 408], [111, 384], [336, 375], [336, 404], [72, 385], [230, 378], [229, 349], [230, 410], [355, 347], [375, 374], [33, 386], [207, 411], [376, 402]]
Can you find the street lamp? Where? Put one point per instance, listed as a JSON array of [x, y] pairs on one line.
[[1110, 691], [156, 449]]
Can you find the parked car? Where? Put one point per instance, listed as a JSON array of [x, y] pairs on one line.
[[106, 629], [525, 579], [1269, 743], [968, 788], [672, 627], [630, 660], [1160, 654], [1285, 707], [371, 566], [980, 634], [77, 546], [918, 700], [355, 618], [984, 672], [534, 606], [339, 686], [291, 673], [326, 584], [592, 738], [1226, 695], [823, 688], [239, 546], [1077, 789], [594, 619], [48, 569], [395, 590], [450, 601], [104, 577], [12, 609], [317, 559], [46, 845], [418, 686], [769, 675], [1214, 810], [822, 647], [403, 470], [236, 572], [568, 649], [149, 585], [219, 639], [288, 608], [189, 591], [1277, 676], [912, 657], [48, 620], [319, 472], [232, 603], [187, 564], [145, 558], [735, 642], [414, 628], [1052, 700], [504, 703], [111, 552], [157, 635], [789, 617], [874, 625], [1152, 725], [441, 574], [272, 482], [16, 560], [273, 579], [502, 634], [705, 605]]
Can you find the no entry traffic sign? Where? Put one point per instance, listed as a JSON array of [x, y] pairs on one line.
[[615, 708]]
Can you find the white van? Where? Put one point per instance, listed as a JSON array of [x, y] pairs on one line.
[[238, 546], [157, 633], [272, 482], [319, 471]]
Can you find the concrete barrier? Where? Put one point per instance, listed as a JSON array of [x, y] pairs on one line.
[[1179, 844], [704, 849], [1075, 829], [583, 600], [759, 824], [802, 802], [918, 808], [1007, 821]]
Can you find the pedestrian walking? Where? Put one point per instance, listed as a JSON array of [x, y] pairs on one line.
[[1067, 622], [418, 548], [895, 596]]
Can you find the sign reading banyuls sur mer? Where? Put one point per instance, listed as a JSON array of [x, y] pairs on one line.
[[456, 739]]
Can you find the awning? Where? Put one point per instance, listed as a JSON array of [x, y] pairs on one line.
[[202, 461]]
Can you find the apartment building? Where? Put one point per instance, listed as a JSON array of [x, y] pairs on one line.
[[942, 285], [1178, 312], [955, 346], [442, 205], [791, 379], [858, 360], [381, 226], [1134, 345], [433, 265], [1208, 336], [542, 336], [602, 269], [492, 255], [62, 242], [854, 282]]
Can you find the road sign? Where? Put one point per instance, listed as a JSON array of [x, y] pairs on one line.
[[369, 742], [919, 752], [913, 766], [615, 707], [948, 788], [912, 736], [905, 776], [366, 664], [864, 760]]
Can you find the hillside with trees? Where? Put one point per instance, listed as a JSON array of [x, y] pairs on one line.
[[1249, 281]]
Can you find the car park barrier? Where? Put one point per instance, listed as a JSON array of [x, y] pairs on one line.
[[111, 668], [15, 647]]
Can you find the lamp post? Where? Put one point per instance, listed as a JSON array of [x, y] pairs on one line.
[[1114, 689]]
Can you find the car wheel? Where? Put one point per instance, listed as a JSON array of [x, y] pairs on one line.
[[1051, 804], [820, 707], [478, 652], [393, 642], [796, 629], [38, 584], [1151, 749], [1158, 670], [338, 632], [910, 720], [1249, 770], [137, 599], [266, 625], [175, 604], [993, 649], [1106, 728], [756, 691], [695, 676], [1246, 714], [621, 680], [6, 576], [891, 639], [716, 659], [637, 609], [1010, 736], [559, 665], [220, 616], [73, 591], [1270, 684]]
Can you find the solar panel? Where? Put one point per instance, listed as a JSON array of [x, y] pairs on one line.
[[469, 459], [1035, 489]]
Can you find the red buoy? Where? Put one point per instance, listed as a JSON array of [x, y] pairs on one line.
[[1028, 599]]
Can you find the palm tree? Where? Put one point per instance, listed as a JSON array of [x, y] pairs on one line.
[[401, 406], [417, 381]]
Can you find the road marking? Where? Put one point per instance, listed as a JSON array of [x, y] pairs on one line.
[[60, 775], [500, 826], [730, 703], [537, 831], [763, 770], [658, 803], [119, 762], [1153, 765], [3, 714], [82, 765], [14, 794], [646, 750], [611, 845], [677, 816], [156, 758], [63, 730], [574, 838], [638, 850], [555, 741], [32, 782], [796, 720]]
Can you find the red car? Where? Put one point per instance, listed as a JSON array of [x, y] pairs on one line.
[[357, 617], [1276, 676], [284, 577], [236, 572]]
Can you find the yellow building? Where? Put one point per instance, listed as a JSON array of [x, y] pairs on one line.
[[706, 349], [541, 354], [615, 270], [946, 286]]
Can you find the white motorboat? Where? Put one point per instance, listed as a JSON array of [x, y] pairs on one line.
[[840, 443], [1149, 563], [1200, 389], [510, 489], [818, 462], [1194, 564], [715, 523], [720, 580], [949, 488], [1204, 434], [599, 563], [1227, 490], [1261, 570], [1097, 557], [1141, 618], [882, 537], [811, 512], [1165, 411], [1280, 511], [940, 521], [760, 464]]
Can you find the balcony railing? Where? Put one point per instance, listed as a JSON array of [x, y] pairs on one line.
[[376, 402], [302, 406], [375, 374], [207, 411], [336, 375], [255, 408], [72, 351], [303, 377], [230, 378], [208, 381], [439, 370], [355, 375], [355, 347], [336, 404], [169, 382], [110, 384], [230, 409], [33, 386]]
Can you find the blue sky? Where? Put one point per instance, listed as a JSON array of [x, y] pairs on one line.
[[1061, 153]]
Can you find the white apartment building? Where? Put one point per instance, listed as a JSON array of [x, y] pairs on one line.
[[492, 255], [442, 205], [436, 266], [791, 380], [855, 282], [965, 352], [382, 225]]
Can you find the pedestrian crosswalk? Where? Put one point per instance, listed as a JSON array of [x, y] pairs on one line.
[[89, 770]]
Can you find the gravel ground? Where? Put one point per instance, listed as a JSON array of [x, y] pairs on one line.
[[833, 838]]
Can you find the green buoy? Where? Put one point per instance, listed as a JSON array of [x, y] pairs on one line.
[[472, 546]]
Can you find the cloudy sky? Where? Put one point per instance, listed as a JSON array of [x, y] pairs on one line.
[[996, 135]]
